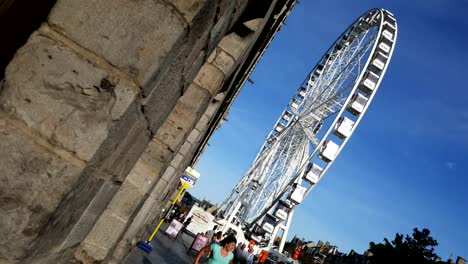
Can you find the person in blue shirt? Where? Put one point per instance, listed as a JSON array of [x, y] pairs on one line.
[[219, 254]]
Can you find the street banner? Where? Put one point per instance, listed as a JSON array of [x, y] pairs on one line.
[[199, 242], [174, 228], [202, 221]]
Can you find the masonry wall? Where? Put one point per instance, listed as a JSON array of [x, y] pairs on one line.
[[101, 111]]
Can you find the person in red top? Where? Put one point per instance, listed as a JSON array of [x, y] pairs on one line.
[[262, 256]]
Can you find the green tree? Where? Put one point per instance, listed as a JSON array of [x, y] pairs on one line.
[[416, 249]]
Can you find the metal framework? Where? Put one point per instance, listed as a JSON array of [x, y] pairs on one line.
[[313, 128]]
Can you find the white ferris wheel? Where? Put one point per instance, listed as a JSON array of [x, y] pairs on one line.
[[313, 128]]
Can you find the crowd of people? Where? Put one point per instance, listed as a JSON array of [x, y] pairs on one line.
[[225, 251]]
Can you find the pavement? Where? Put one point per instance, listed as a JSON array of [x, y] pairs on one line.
[[165, 250]]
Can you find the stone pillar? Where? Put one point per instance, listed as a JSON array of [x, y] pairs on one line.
[[81, 101], [101, 111]]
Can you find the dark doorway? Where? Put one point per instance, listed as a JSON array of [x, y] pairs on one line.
[[18, 19]]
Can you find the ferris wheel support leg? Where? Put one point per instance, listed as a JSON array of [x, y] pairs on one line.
[[234, 212], [274, 234], [285, 232]]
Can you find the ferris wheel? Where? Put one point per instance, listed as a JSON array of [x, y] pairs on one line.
[[313, 128]]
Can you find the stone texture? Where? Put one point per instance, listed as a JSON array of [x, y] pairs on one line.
[[177, 161], [76, 213], [239, 8], [75, 89], [143, 176], [159, 104], [196, 99], [203, 123], [87, 218], [102, 238], [223, 20], [65, 98], [210, 78], [234, 45], [124, 33], [157, 153], [170, 171], [171, 135], [190, 71], [126, 141], [254, 24], [201, 23], [193, 136], [213, 107], [188, 9], [125, 201], [33, 180], [183, 117], [221, 60], [185, 148]]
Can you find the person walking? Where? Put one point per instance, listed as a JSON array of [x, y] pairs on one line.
[[217, 237], [210, 233], [239, 254], [219, 254], [250, 256]]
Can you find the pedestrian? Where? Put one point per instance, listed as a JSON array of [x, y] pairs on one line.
[[210, 233], [219, 254], [250, 256], [184, 226], [239, 253], [187, 222], [217, 237], [262, 256]]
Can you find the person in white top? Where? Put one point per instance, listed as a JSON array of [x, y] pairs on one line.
[[210, 233]]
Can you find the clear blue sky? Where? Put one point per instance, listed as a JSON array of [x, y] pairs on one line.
[[406, 164]]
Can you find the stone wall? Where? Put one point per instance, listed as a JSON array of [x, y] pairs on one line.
[[101, 111]]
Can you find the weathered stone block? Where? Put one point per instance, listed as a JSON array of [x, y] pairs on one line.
[[127, 139], [124, 33], [143, 176], [87, 218], [151, 209], [77, 212], [221, 60], [203, 123], [103, 237], [190, 71], [223, 21], [168, 174], [254, 24], [33, 182], [183, 117], [157, 153], [188, 9], [164, 96], [213, 108], [171, 135], [196, 99], [65, 98], [200, 14], [125, 201], [239, 8], [234, 45], [193, 137], [177, 161], [210, 78], [185, 149]]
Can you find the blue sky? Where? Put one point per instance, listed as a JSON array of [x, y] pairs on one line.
[[406, 164]]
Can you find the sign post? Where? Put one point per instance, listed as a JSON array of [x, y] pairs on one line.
[[187, 180]]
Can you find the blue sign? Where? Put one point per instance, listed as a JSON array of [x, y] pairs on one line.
[[186, 178]]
